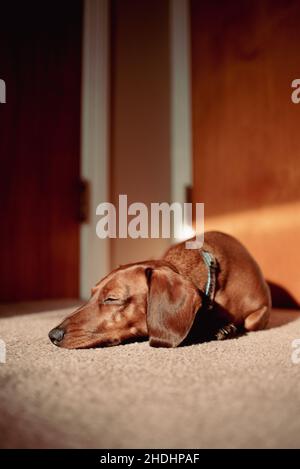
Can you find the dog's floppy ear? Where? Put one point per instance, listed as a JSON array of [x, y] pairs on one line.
[[173, 302]]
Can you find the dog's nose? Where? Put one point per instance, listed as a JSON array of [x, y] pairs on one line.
[[56, 334]]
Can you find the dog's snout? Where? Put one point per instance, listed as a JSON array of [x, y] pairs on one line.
[[56, 334]]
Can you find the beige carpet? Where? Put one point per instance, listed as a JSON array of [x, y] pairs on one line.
[[239, 393]]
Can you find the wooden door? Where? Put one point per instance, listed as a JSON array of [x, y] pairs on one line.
[[246, 142], [40, 61]]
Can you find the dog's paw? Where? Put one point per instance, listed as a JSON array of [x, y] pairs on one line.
[[226, 332]]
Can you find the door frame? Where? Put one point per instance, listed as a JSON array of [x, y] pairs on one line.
[[181, 118], [94, 253]]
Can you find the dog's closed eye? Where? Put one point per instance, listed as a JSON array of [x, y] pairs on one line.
[[111, 299]]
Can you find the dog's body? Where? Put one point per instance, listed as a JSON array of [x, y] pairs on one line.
[[242, 293], [218, 290]]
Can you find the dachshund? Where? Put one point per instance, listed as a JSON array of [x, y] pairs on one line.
[[190, 295]]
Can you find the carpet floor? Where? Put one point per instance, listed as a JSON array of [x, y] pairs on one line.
[[240, 393]]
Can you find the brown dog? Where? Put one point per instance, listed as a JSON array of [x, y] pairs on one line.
[[209, 293]]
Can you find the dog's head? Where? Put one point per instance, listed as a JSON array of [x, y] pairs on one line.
[[140, 300]]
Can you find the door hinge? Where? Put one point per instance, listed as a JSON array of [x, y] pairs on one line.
[[189, 194], [84, 201]]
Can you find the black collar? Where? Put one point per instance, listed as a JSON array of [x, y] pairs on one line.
[[212, 267]]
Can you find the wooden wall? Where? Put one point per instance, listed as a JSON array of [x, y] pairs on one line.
[[246, 138]]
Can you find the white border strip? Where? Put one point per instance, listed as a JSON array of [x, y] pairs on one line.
[[181, 149], [94, 253]]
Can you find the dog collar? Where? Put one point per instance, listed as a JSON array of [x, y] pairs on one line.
[[212, 267]]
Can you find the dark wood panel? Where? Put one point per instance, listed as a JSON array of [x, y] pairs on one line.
[[40, 60]]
